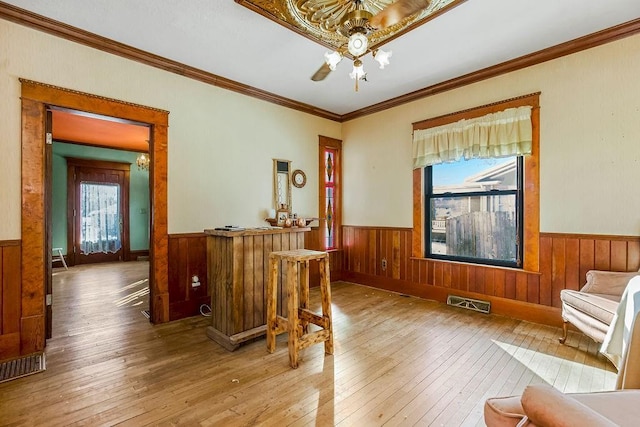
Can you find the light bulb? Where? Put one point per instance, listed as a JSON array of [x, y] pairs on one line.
[[382, 57], [358, 70], [332, 59]]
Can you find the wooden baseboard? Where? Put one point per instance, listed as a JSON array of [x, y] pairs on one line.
[[503, 306], [189, 308], [135, 255]]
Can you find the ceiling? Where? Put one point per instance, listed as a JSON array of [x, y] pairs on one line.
[[234, 42], [91, 129]]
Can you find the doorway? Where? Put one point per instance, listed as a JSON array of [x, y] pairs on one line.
[[97, 211], [35, 99]]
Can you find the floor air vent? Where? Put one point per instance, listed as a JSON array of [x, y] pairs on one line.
[[471, 304]]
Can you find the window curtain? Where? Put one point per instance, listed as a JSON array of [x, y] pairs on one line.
[[99, 210], [501, 134]]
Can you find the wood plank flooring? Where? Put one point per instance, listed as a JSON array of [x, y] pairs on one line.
[[397, 361]]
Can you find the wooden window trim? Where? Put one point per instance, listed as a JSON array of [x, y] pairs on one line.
[[334, 144], [531, 231]]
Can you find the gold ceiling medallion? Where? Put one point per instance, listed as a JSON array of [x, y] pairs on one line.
[[344, 26], [319, 19]]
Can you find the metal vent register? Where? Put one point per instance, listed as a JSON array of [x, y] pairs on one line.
[[471, 304], [21, 367]]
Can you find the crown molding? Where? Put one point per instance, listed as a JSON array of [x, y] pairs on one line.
[[592, 40], [32, 20], [41, 23]]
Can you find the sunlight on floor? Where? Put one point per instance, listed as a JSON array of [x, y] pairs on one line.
[[132, 297], [549, 367], [130, 286]]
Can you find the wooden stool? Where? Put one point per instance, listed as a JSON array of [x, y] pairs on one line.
[[298, 314]]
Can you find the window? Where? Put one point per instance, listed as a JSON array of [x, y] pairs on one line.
[[473, 211], [330, 200], [528, 173]]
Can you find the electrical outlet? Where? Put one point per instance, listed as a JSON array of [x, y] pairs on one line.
[[384, 264], [195, 281]]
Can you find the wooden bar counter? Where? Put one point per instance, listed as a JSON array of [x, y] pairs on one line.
[[237, 264]]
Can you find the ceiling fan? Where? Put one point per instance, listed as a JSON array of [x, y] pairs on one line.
[[356, 25]]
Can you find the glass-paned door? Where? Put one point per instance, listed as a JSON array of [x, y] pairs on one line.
[[99, 218], [100, 226]]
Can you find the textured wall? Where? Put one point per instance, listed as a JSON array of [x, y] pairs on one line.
[[221, 144], [589, 134]]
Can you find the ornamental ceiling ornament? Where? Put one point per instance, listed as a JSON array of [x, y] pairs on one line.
[[344, 27]]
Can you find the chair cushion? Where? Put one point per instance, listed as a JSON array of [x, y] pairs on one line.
[[599, 306], [621, 407], [503, 411], [607, 282]]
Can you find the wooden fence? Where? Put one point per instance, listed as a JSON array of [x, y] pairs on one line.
[[488, 235]]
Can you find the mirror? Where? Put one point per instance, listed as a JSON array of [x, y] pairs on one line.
[[282, 184]]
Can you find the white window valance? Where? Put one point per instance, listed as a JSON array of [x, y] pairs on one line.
[[501, 134]]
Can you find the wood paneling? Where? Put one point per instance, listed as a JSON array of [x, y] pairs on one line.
[[10, 298], [564, 261], [187, 258]]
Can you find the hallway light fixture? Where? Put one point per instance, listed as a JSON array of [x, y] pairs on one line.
[[143, 161]]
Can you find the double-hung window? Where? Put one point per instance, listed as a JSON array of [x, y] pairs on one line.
[[479, 178], [474, 211]]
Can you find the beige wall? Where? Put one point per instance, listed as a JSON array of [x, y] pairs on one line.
[[220, 143], [589, 143]]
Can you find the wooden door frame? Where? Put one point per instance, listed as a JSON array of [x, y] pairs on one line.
[[72, 165], [35, 97]]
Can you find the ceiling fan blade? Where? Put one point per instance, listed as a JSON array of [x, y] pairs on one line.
[[322, 73], [396, 12]]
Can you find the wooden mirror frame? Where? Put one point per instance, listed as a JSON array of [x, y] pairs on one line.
[[284, 176]]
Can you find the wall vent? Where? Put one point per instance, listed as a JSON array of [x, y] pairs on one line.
[[471, 304]]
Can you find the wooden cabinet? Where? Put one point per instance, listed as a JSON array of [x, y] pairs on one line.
[[237, 264]]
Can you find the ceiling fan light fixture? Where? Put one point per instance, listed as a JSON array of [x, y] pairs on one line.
[[332, 59], [358, 70], [358, 44], [382, 57]]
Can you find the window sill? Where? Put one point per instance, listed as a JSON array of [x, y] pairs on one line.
[[498, 267]]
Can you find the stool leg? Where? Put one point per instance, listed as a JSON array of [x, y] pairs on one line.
[[292, 304], [325, 293], [272, 297], [304, 293], [62, 259]]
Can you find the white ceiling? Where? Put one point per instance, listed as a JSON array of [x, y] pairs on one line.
[[229, 40]]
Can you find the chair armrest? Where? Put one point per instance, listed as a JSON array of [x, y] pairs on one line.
[[546, 406], [607, 282]]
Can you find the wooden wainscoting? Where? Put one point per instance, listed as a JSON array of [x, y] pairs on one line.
[[312, 240], [528, 295], [137, 255], [187, 258], [10, 298]]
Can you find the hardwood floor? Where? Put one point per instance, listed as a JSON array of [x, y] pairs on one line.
[[397, 361]]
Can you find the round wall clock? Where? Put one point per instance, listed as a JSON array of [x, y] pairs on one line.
[[299, 178]]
